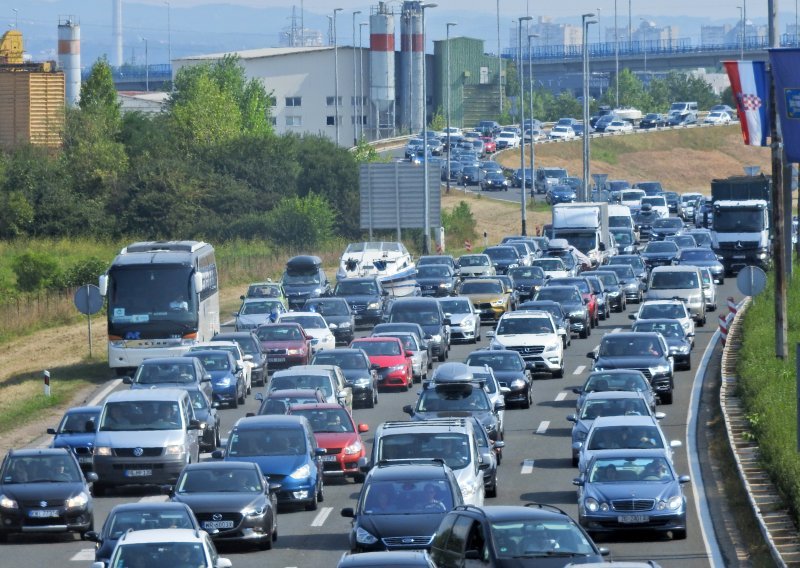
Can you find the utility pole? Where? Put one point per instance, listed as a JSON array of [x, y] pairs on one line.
[[427, 191], [169, 34], [499, 62], [449, 89], [530, 86], [361, 27], [585, 186], [616, 51], [521, 79], [336, 76]]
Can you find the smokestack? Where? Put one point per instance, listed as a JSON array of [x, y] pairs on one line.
[[116, 17], [69, 57]]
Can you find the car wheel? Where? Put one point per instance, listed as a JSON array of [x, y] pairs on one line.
[[241, 398], [3, 537], [265, 543], [679, 535], [359, 478], [321, 490], [665, 398], [492, 491], [371, 402], [574, 461], [688, 366], [217, 440], [275, 530], [588, 328], [527, 402], [82, 534], [234, 403], [98, 490], [312, 505], [442, 356], [584, 333], [559, 374]]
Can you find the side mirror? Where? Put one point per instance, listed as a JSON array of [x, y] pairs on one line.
[[126, 380], [259, 396], [102, 283], [51, 431], [578, 481], [446, 321], [505, 390], [490, 334], [218, 454], [408, 409], [409, 353], [273, 487], [93, 536], [91, 477], [572, 418], [235, 314], [363, 428], [499, 405], [659, 415], [374, 366], [632, 317], [483, 466], [249, 414], [675, 444], [195, 424], [684, 479], [247, 358], [320, 451], [586, 300], [577, 390], [206, 378], [242, 297], [591, 355], [348, 512]]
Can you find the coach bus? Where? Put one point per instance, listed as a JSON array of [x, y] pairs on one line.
[[163, 297]]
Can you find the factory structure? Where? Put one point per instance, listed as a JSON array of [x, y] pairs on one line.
[[380, 89]]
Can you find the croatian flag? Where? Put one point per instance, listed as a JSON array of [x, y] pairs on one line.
[[751, 92]]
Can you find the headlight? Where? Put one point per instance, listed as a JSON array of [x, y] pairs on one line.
[[553, 346], [353, 448], [499, 302], [176, 450], [686, 325], [7, 503], [681, 349], [295, 351], [317, 291], [255, 511], [580, 435], [374, 306], [513, 265], [445, 285], [436, 338], [395, 368], [364, 537], [226, 382], [80, 500], [576, 314], [675, 502], [762, 255], [103, 451], [591, 505], [659, 369], [344, 325], [301, 472], [517, 384], [362, 381], [490, 427]]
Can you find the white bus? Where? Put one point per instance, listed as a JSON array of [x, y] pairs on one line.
[[163, 297]]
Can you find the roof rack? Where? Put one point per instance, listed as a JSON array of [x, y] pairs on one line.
[[467, 507], [546, 506], [412, 461]]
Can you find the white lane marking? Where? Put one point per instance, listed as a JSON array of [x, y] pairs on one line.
[[85, 554], [319, 520], [543, 427], [154, 499], [561, 396], [104, 393], [579, 369], [527, 467]]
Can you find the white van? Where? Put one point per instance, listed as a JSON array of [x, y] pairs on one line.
[[679, 282], [619, 216], [658, 203], [631, 198]]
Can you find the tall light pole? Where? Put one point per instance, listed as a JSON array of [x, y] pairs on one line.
[[427, 189], [523, 204], [599, 39], [646, 28], [530, 97], [336, 76], [616, 51], [499, 62], [630, 28], [585, 186], [361, 27], [741, 34], [169, 33], [449, 89], [355, 81], [146, 67]]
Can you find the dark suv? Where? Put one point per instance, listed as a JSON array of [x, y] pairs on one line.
[[512, 535], [366, 298], [428, 313]]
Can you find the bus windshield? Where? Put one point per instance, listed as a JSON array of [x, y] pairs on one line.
[[148, 294]]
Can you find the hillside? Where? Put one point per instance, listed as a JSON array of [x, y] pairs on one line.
[[682, 160]]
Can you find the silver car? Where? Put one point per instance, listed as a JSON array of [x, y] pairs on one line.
[[419, 353], [709, 289], [465, 322], [475, 266]]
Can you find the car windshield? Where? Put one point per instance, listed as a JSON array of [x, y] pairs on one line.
[[433, 271], [663, 311], [630, 347], [328, 308], [698, 255], [601, 382], [655, 201], [264, 291], [609, 279], [199, 400], [549, 264], [683, 241], [456, 306], [279, 333], [598, 407], [266, 441], [537, 538], [414, 314], [298, 381], [482, 287], [452, 399], [41, 469], [661, 246], [673, 280], [623, 238], [259, 307], [579, 283], [76, 422], [667, 329], [504, 253], [378, 348], [622, 270], [475, 260], [329, 420], [156, 373], [154, 553], [625, 470], [214, 361], [356, 288], [300, 279], [496, 361], [635, 261], [668, 223], [343, 360], [406, 497], [527, 272], [307, 322], [122, 521], [219, 480], [559, 295], [140, 415], [409, 340], [525, 326], [703, 239]]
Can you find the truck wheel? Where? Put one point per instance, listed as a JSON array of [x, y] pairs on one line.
[[665, 398]]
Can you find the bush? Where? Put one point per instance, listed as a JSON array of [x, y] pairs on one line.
[[459, 225], [301, 222], [34, 271], [83, 272]]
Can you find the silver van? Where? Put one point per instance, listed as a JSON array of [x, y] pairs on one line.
[[679, 282], [145, 437]]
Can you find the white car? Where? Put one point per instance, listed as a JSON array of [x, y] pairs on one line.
[[149, 548], [534, 335], [315, 326], [244, 361], [552, 267], [658, 203], [507, 139], [619, 126], [465, 322], [672, 309], [718, 117], [453, 132], [709, 289], [562, 133]]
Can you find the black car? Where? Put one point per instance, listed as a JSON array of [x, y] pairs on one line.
[[446, 259], [560, 193], [626, 240], [666, 226], [643, 220], [304, 278], [366, 297], [672, 198], [139, 516], [679, 342], [494, 181], [456, 399], [429, 315], [357, 369], [572, 303], [335, 311], [653, 120], [436, 280], [472, 175], [645, 352], [602, 122], [516, 180], [206, 412], [232, 500], [632, 285], [659, 253], [503, 257], [251, 346], [76, 432], [527, 280], [401, 505], [613, 288], [44, 490], [456, 171], [651, 188], [535, 534], [509, 370]]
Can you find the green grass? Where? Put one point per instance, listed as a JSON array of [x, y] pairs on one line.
[[768, 389]]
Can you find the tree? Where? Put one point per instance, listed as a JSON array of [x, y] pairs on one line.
[[99, 95], [726, 97], [438, 121], [567, 105], [685, 87], [301, 222], [631, 92]]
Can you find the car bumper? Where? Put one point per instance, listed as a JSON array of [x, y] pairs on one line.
[[647, 521], [459, 333], [395, 379], [435, 291], [368, 316], [277, 362], [299, 492], [247, 529], [517, 395], [490, 313], [341, 464], [225, 395], [20, 520], [632, 291], [141, 471]]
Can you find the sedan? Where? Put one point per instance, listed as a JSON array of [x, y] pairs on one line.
[[393, 361], [659, 253], [560, 193], [358, 370], [607, 503], [227, 377], [717, 117], [436, 280], [510, 371], [465, 323], [653, 120], [666, 226], [562, 133], [338, 315], [233, 501], [527, 280], [76, 432], [420, 360], [619, 126], [206, 412], [702, 258], [44, 490], [488, 296], [494, 182], [314, 325], [257, 311], [680, 341], [472, 175], [616, 380], [286, 344]]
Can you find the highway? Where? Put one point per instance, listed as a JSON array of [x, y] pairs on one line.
[[536, 467]]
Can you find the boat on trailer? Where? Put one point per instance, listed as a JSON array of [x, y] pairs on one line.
[[389, 261]]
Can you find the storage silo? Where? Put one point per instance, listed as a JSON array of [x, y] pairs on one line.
[[411, 54], [381, 71], [69, 57]]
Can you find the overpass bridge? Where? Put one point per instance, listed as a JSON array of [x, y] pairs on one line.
[[156, 77]]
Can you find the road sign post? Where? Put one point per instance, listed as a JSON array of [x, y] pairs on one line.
[[751, 281], [88, 301], [47, 383]]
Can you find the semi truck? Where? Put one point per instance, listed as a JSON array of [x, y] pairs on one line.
[[585, 226], [741, 225]]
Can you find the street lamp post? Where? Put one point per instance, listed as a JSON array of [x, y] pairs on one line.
[[530, 102], [355, 82], [361, 27], [523, 204], [427, 190], [741, 34], [630, 28], [16, 18], [146, 67], [616, 51], [646, 28], [336, 76], [585, 186], [449, 88], [169, 34], [499, 62]]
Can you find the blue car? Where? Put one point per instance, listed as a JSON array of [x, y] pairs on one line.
[[227, 377], [560, 193], [283, 446], [76, 432]]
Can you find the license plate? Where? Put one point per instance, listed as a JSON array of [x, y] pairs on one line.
[[633, 519], [217, 524], [84, 459], [276, 359], [738, 256], [138, 472], [43, 513], [329, 458]]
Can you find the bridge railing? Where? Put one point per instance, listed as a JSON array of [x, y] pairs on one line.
[[155, 72]]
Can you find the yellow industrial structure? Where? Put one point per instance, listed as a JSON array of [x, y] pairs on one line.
[[31, 97]]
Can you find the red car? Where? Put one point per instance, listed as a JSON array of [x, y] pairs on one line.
[[489, 145], [586, 293], [391, 356], [335, 431], [286, 344]]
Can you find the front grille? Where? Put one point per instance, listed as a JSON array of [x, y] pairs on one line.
[[646, 373], [276, 351], [530, 350], [408, 541], [221, 516], [137, 465], [484, 306], [740, 245], [331, 451], [37, 504], [83, 451], [358, 307], [129, 452], [633, 504]]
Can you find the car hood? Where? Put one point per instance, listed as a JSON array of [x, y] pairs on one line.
[[360, 299], [629, 489], [433, 280], [704, 263], [557, 273], [252, 319], [353, 374], [528, 282], [526, 339], [300, 289], [217, 376], [384, 526], [219, 502], [387, 360], [458, 319], [570, 307], [658, 255], [140, 438], [296, 344], [53, 493], [508, 376], [464, 270], [335, 439], [73, 440], [337, 319], [483, 298], [280, 466], [629, 362]]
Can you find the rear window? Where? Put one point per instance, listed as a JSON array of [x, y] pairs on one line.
[[451, 446], [674, 280]]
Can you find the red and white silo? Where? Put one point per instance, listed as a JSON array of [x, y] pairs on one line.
[[69, 57], [381, 71], [411, 54]]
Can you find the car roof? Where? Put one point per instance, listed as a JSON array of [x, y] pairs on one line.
[[270, 420], [83, 409], [523, 313], [170, 360], [630, 335], [303, 370], [361, 279], [224, 465], [662, 302], [165, 394], [626, 420], [385, 558], [160, 535], [40, 452], [518, 512], [445, 424], [284, 315], [374, 339], [283, 393], [317, 406], [408, 470], [633, 453], [656, 320], [152, 505], [674, 268], [607, 395], [348, 350]]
